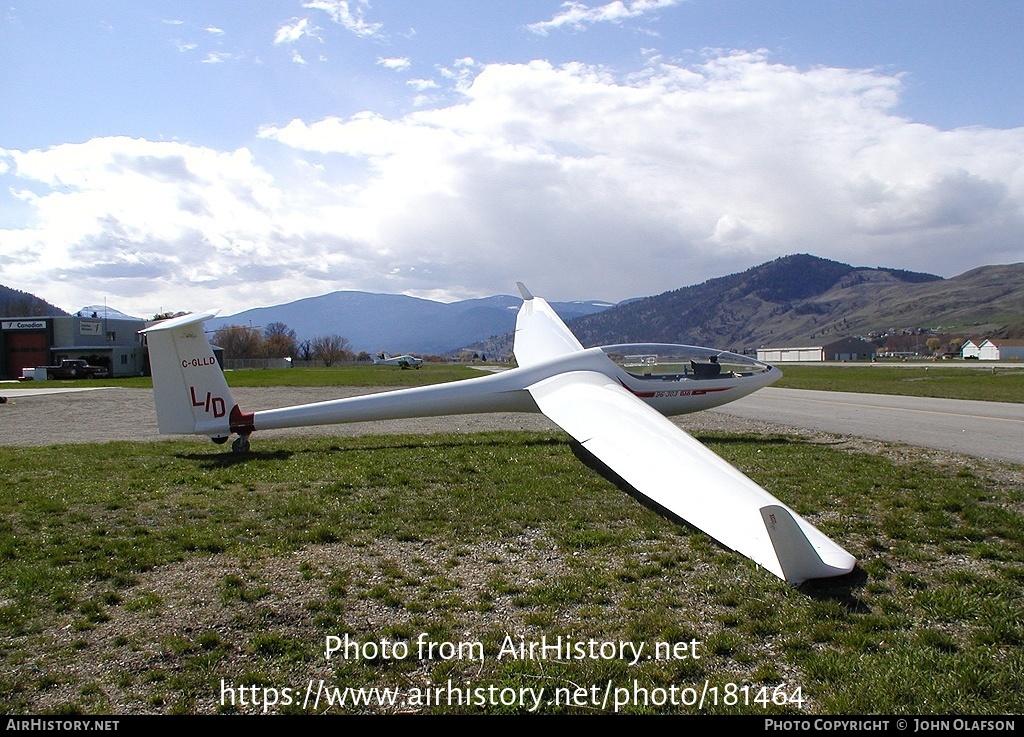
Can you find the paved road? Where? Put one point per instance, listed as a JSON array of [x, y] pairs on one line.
[[993, 430]]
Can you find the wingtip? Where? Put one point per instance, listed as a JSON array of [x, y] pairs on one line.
[[798, 558], [524, 291]]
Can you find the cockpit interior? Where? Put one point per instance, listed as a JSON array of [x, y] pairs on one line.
[[667, 362]]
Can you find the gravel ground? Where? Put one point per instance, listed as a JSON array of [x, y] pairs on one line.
[[104, 415]]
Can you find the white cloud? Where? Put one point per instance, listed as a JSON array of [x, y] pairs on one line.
[[292, 32], [461, 72], [577, 15], [398, 64], [422, 85], [349, 18], [219, 57], [581, 183], [214, 31], [121, 213]]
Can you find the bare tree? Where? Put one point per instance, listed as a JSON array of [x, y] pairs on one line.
[[239, 341], [168, 315], [330, 349], [304, 351], [279, 341]]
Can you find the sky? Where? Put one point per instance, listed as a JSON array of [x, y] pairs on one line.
[[188, 155]]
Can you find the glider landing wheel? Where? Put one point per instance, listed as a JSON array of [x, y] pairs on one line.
[[241, 444]]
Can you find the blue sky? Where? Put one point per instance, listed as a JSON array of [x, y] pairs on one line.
[[182, 155]]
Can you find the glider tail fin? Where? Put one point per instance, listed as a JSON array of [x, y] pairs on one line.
[[540, 333], [800, 558], [191, 394]]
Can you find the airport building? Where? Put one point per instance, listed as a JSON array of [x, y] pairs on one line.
[[104, 339], [847, 349], [994, 349]]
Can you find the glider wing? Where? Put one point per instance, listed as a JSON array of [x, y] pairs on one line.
[[665, 464], [678, 473]]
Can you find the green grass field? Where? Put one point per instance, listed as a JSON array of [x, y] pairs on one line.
[[149, 577], [349, 375], [935, 380]]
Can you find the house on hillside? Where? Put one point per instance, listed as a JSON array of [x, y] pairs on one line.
[[847, 349], [999, 349]]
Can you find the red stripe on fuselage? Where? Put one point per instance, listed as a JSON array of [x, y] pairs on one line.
[[676, 392]]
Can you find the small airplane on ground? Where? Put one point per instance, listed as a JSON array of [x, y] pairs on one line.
[[612, 400], [383, 359]]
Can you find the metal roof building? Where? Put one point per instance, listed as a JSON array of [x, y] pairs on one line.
[[847, 349]]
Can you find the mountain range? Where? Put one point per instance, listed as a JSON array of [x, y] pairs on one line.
[[806, 300], [397, 323], [797, 299], [15, 303], [794, 300]]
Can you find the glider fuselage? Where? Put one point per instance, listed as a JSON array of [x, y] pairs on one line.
[[670, 388]]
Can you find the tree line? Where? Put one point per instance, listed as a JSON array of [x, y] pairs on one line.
[[277, 340]]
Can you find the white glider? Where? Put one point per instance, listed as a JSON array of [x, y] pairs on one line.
[[612, 400]]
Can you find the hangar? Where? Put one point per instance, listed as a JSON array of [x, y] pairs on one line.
[[994, 349], [102, 337], [847, 349]]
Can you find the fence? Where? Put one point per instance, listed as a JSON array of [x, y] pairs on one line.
[[235, 364]]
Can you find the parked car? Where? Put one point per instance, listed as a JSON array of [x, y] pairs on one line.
[[76, 368]]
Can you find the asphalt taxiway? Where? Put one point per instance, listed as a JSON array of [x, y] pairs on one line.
[[991, 430]]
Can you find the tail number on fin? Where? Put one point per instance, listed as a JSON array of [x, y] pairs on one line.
[[197, 362], [210, 403]]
